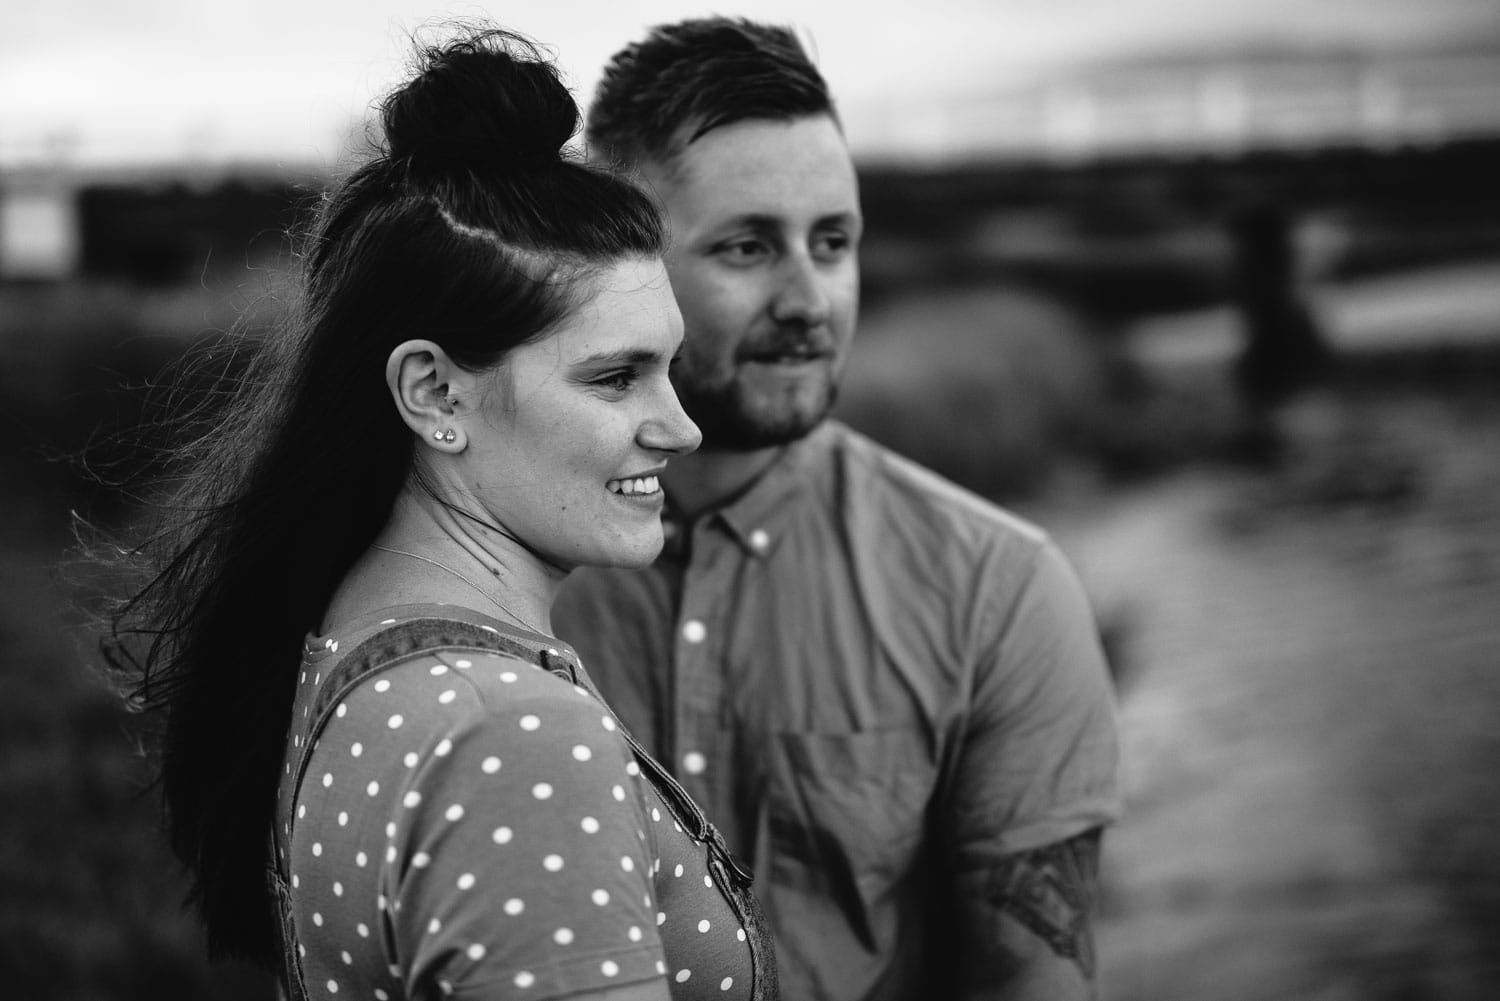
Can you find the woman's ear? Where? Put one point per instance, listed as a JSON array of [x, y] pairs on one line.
[[422, 378]]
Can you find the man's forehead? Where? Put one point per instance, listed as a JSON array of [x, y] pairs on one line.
[[765, 167]]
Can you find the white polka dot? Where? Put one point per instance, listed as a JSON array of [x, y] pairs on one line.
[[411, 759], [386, 622], [301, 811], [656, 814], [356, 749], [490, 765], [394, 722], [466, 881], [508, 677], [411, 799], [343, 818], [348, 959], [677, 871], [421, 860], [438, 669], [360, 859], [682, 975], [295, 881], [589, 825], [454, 812], [552, 863], [661, 966], [660, 917], [390, 829], [318, 919], [502, 835], [581, 753], [609, 967], [524, 979], [381, 995], [600, 897], [514, 906], [694, 763], [383, 685], [579, 690], [475, 952], [632, 769], [703, 926], [726, 983], [444, 746], [447, 697], [740, 934], [634, 934], [627, 863], [708, 881], [609, 724], [317, 848], [618, 792], [362, 929], [327, 779], [333, 987], [530, 722], [694, 631], [434, 926], [390, 853], [338, 889], [542, 790], [563, 936], [380, 901]]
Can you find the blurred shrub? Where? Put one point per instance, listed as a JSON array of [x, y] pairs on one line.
[[989, 387]]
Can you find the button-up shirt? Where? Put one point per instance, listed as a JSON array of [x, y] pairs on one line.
[[878, 686]]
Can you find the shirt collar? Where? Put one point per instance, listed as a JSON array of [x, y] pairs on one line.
[[751, 518]]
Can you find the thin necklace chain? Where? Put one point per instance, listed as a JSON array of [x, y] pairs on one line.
[[496, 601]]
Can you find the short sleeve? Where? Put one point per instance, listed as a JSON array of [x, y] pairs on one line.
[[1040, 758], [519, 862]]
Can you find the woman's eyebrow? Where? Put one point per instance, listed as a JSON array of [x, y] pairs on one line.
[[621, 356]]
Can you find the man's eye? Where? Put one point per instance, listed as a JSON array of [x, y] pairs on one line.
[[743, 249]]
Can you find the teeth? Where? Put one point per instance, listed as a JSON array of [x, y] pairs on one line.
[[638, 485]]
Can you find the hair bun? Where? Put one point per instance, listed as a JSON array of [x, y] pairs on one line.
[[486, 100]]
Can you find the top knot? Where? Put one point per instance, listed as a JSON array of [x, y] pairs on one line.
[[489, 100]]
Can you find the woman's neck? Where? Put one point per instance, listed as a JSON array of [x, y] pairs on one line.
[[428, 553]]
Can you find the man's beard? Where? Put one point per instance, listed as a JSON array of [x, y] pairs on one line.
[[730, 424]]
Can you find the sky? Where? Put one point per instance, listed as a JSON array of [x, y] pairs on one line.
[[284, 80]]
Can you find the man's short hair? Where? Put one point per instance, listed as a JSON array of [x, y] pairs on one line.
[[683, 80]]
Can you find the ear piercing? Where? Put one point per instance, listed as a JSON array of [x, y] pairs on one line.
[[449, 435]]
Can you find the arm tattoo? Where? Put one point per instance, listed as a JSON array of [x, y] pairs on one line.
[[1051, 890]]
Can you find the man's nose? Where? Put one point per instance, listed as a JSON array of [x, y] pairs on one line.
[[801, 293]]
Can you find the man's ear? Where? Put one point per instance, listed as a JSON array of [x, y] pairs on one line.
[[421, 379]]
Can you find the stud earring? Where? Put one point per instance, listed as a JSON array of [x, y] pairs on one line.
[[449, 435]]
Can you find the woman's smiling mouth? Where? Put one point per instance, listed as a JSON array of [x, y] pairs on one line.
[[634, 486]]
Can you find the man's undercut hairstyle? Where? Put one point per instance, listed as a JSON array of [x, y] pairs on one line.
[[657, 96]]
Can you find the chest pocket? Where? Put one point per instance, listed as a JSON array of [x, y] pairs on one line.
[[849, 808]]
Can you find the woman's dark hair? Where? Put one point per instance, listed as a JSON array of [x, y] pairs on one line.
[[472, 226], [686, 79]]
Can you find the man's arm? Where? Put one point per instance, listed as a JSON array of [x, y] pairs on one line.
[[1034, 785], [1044, 939]]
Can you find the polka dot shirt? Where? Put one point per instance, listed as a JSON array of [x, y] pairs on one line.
[[470, 824]]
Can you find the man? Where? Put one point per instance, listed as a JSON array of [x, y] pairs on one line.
[[887, 693]]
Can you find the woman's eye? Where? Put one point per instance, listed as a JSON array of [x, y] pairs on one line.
[[619, 382]]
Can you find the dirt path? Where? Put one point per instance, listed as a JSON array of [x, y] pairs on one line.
[[1313, 674]]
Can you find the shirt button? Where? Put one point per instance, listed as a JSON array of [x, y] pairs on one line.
[[694, 631], [693, 762], [759, 540]]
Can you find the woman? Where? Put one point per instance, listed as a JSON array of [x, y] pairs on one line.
[[349, 602]]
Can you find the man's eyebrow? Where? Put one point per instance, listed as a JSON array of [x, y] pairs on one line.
[[764, 221]]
